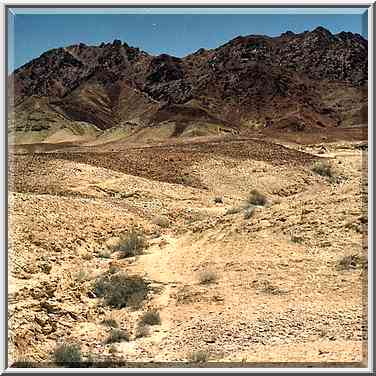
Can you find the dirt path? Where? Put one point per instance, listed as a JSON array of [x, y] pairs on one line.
[[276, 293], [254, 270]]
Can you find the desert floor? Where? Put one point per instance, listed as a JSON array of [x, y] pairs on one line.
[[283, 283]]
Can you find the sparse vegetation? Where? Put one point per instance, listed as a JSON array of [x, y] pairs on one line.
[[86, 255], [185, 295], [45, 267], [120, 290], [195, 216], [354, 226], [205, 277], [126, 212], [131, 244], [151, 318], [136, 300], [296, 238], [111, 322], [161, 221], [112, 349], [67, 354], [323, 168], [104, 253], [198, 356], [218, 200], [24, 363], [156, 234], [90, 360], [256, 198], [113, 269], [117, 335], [351, 262], [187, 180], [83, 275], [266, 287], [142, 330], [234, 210], [248, 212]]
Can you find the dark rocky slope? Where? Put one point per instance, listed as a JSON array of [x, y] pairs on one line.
[[294, 81]]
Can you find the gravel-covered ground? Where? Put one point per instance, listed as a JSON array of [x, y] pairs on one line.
[[288, 281]]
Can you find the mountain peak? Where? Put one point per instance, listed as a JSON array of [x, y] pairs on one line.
[[116, 42], [322, 30], [254, 75], [288, 33]]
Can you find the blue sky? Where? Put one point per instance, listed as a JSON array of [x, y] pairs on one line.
[[31, 34]]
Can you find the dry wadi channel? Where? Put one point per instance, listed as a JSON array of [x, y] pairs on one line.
[[235, 252]]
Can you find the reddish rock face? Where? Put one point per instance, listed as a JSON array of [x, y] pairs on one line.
[[279, 81]]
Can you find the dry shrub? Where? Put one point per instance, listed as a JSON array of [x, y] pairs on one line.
[[104, 253], [120, 290], [200, 356], [266, 287], [67, 354], [256, 198], [351, 262], [205, 277], [131, 244], [24, 363], [141, 330], [111, 322], [117, 335], [218, 200], [248, 212], [233, 210], [151, 318], [323, 168], [161, 221]]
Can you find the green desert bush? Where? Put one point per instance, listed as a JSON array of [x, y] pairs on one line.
[[296, 238], [120, 290], [186, 180]]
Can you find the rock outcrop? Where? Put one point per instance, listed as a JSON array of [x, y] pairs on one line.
[[313, 79]]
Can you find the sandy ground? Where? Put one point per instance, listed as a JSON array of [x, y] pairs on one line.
[[277, 292]]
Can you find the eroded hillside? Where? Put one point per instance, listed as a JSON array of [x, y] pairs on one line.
[[226, 275], [294, 82]]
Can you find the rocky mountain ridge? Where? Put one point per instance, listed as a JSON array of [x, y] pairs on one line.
[[314, 79]]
